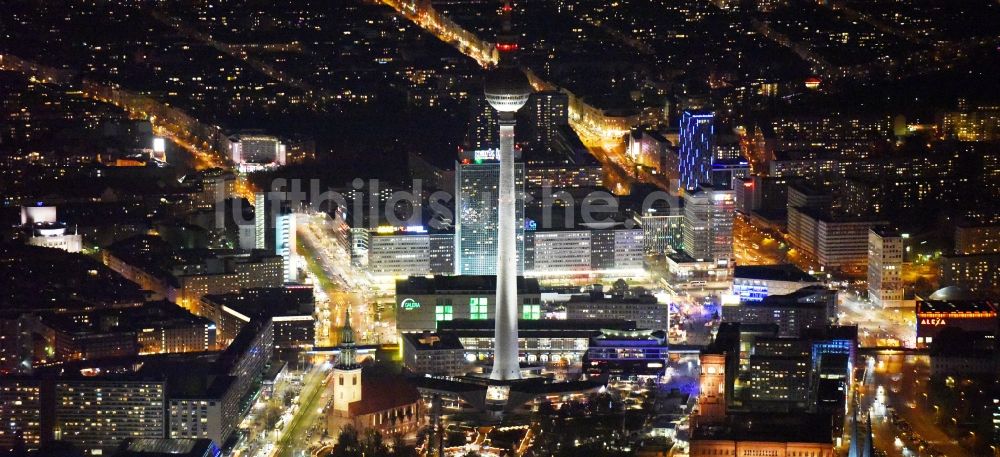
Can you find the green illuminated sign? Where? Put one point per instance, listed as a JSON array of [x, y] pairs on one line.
[[478, 308], [444, 313], [409, 304]]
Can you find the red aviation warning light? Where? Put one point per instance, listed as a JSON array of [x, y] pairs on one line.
[[506, 41], [506, 47]]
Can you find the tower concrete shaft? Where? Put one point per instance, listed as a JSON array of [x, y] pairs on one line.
[[505, 347]]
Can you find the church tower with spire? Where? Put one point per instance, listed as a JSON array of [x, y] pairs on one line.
[[347, 371], [862, 445]]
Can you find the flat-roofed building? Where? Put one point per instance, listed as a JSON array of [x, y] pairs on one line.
[[955, 352], [885, 267], [82, 409], [399, 254], [563, 250], [755, 282], [290, 309], [572, 252], [201, 413], [168, 447], [422, 303], [662, 231], [801, 195], [941, 312], [977, 272], [441, 250], [210, 403], [155, 328], [628, 354], [97, 404], [434, 353], [977, 239], [540, 341], [832, 241], [184, 276], [643, 309], [765, 434], [683, 268], [809, 307]]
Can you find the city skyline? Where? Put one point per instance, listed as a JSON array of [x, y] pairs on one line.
[[488, 228]]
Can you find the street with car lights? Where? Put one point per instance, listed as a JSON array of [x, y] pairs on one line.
[[894, 390], [338, 284]]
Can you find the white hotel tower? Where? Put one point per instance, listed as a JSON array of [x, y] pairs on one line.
[[507, 90]]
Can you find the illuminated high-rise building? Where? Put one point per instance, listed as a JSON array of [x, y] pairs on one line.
[[21, 406], [284, 241], [260, 220], [885, 266], [662, 230], [394, 252], [441, 253], [697, 138], [274, 230], [477, 189], [483, 127], [708, 223], [834, 240], [547, 111]]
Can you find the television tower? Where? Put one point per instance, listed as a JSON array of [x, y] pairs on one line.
[[507, 90]]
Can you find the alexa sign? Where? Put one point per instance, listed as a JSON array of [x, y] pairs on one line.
[[409, 304], [932, 321]]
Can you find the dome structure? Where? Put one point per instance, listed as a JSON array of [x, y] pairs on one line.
[[951, 293], [507, 89]]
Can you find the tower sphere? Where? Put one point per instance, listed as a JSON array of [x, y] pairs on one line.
[[507, 89]]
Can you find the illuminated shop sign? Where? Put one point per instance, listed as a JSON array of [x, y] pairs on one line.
[[409, 304], [485, 154]]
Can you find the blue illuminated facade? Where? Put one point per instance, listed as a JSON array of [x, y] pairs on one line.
[[697, 140], [749, 291], [627, 354], [833, 346], [835, 341]]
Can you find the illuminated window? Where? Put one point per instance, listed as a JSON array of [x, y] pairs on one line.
[[477, 308], [443, 313], [531, 312]]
